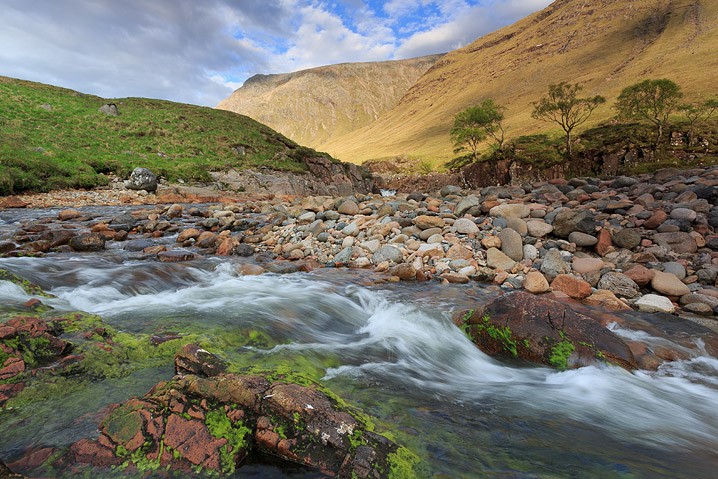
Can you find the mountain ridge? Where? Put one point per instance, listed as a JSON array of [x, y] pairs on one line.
[[314, 105]]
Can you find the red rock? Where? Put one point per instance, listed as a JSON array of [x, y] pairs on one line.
[[86, 451], [571, 285], [32, 459], [187, 234], [193, 441], [69, 214], [8, 391], [640, 274], [655, 220], [226, 247], [605, 242], [13, 367]]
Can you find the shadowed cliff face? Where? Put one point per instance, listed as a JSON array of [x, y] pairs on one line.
[[605, 45], [316, 105]]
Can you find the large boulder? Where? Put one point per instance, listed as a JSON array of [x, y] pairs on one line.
[[538, 329], [142, 179]]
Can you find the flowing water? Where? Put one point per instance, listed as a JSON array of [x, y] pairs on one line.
[[393, 351]]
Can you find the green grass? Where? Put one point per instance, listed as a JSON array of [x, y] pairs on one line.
[[74, 145]]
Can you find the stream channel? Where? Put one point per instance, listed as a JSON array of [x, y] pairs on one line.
[[389, 349]]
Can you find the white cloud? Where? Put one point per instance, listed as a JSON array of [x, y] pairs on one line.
[[198, 52]]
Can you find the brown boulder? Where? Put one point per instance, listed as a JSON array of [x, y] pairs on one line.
[[541, 330], [88, 242]]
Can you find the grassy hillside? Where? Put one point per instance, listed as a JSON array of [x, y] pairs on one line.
[[606, 45], [53, 138], [313, 106]]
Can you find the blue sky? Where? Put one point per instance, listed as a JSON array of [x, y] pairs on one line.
[[200, 51]]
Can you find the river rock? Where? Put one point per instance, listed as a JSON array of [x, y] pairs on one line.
[[699, 308], [567, 221], [535, 282], [530, 252], [511, 244], [465, 226], [388, 253], [675, 268], [640, 274], [142, 179], [174, 256], [70, 214], [586, 265], [572, 286], [498, 260], [403, 271], [348, 207], [607, 300], [684, 214], [668, 284], [465, 205], [88, 242], [450, 190], [538, 228], [627, 238], [619, 284], [174, 211], [653, 303], [541, 330], [188, 234], [655, 220], [553, 264], [425, 222], [678, 242], [510, 210], [582, 239]]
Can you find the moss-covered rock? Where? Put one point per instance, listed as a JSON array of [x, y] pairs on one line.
[[537, 329], [217, 423]]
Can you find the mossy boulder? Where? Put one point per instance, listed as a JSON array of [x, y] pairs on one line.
[[538, 329], [218, 423]]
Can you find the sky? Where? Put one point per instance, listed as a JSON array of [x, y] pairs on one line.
[[199, 51]]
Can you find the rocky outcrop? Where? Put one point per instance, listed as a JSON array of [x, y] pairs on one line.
[[324, 177], [538, 329], [217, 423]]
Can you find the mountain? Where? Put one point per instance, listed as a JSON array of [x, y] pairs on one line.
[[605, 45], [53, 138], [314, 106]]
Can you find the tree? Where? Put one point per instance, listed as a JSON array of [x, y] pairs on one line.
[[697, 113], [473, 125], [563, 106], [652, 100]]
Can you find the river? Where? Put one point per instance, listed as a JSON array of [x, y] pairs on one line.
[[392, 350]]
